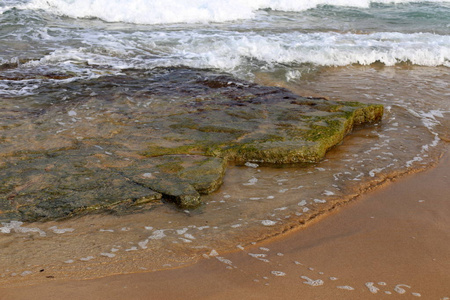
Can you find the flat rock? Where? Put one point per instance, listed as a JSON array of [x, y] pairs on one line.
[[121, 142]]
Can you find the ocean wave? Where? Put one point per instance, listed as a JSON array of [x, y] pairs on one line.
[[245, 53], [179, 11]]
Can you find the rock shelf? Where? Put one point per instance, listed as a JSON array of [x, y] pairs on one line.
[[120, 143]]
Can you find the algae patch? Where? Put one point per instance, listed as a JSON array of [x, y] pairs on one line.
[[122, 143]]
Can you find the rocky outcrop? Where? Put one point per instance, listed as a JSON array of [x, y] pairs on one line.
[[124, 142]]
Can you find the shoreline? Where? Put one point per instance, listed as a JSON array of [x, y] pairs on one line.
[[164, 160], [370, 247]]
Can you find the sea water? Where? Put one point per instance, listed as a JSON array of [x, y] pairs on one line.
[[396, 53]]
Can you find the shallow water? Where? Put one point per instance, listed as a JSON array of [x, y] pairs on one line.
[[254, 202], [395, 55]]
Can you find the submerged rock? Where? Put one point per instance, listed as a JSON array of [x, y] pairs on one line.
[[182, 178], [119, 142], [65, 185]]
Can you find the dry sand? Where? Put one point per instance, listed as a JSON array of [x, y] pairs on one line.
[[392, 243]]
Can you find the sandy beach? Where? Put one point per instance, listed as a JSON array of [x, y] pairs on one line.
[[224, 150], [361, 251]]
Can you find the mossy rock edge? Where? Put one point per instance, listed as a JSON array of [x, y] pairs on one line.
[[164, 134]]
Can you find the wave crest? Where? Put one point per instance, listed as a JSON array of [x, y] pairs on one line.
[[180, 11]]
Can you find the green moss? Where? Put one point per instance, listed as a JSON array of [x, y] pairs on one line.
[[222, 129], [369, 114], [153, 151], [187, 144], [271, 138], [189, 124], [292, 116], [348, 113], [335, 108], [171, 167], [317, 132], [247, 115], [262, 138], [174, 138], [296, 133]]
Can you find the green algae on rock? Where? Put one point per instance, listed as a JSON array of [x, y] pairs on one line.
[[62, 186], [119, 143], [292, 131]]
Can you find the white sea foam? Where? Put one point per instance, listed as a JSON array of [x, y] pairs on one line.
[[110, 255], [87, 258], [182, 231], [400, 288], [25, 273], [232, 51], [346, 287], [302, 203], [179, 11], [16, 226], [251, 165], [259, 256], [373, 289], [429, 118], [72, 113], [185, 240], [320, 201], [312, 282], [268, 222], [251, 181], [278, 273], [157, 235], [240, 53], [57, 230], [189, 236], [143, 244], [322, 48], [224, 260]]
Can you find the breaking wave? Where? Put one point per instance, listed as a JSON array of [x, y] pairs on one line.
[[179, 11]]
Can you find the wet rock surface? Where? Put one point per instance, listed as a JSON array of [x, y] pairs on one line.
[[119, 143]]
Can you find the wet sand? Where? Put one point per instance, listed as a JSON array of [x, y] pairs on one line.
[[391, 243]]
